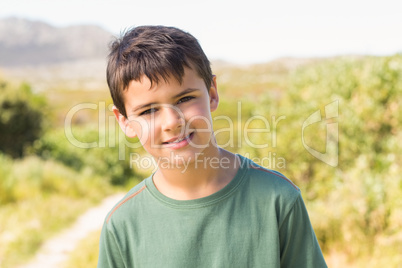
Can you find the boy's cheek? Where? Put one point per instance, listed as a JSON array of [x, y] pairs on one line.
[[197, 112], [200, 124], [200, 120], [138, 127]]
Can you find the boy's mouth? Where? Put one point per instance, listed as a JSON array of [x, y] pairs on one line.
[[179, 140]]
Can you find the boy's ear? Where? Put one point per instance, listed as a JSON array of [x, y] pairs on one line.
[[124, 123], [213, 95]]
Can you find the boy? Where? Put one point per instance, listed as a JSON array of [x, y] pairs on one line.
[[204, 206]]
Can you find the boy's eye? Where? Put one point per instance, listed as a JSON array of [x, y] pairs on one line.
[[149, 111], [184, 99]]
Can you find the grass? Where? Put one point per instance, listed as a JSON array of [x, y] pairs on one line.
[[386, 253], [43, 197], [26, 225]]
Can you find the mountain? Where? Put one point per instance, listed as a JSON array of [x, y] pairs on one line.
[[26, 42], [74, 57]]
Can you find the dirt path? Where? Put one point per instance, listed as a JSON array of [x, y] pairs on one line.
[[56, 250]]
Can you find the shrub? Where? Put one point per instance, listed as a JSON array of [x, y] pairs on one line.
[[21, 118]]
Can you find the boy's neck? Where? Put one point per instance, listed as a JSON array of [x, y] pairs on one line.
[[198, 179]]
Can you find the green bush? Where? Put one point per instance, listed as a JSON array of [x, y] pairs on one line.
[[102, 161], [356, 204], [21, 118]]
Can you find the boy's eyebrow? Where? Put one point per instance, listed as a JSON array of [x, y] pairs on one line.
[[143, 106], [184, 92]]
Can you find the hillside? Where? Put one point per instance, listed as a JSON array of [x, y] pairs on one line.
[[25, 42], [74, 57]]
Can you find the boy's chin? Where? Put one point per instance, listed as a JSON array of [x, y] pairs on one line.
[[175, 161]]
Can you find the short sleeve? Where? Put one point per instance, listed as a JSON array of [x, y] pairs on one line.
[[109, 253], [299, 246]]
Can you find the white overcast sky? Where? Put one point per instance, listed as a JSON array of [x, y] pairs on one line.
[[247, 31]]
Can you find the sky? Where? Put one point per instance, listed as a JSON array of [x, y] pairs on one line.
[[243, 32]]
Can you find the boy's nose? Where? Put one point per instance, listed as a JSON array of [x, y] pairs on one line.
[[171, 119]]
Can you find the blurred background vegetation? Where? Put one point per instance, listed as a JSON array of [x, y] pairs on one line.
[[355, 207]]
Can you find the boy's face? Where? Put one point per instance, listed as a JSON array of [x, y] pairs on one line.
[[172, 120]]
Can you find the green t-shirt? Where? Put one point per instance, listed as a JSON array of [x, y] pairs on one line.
[[257, 220]]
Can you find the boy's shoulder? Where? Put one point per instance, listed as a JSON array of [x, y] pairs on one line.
[[265, 175], [120, 207], [269, 185]]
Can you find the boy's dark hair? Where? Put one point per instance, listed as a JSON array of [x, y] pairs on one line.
[[158, 52]]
